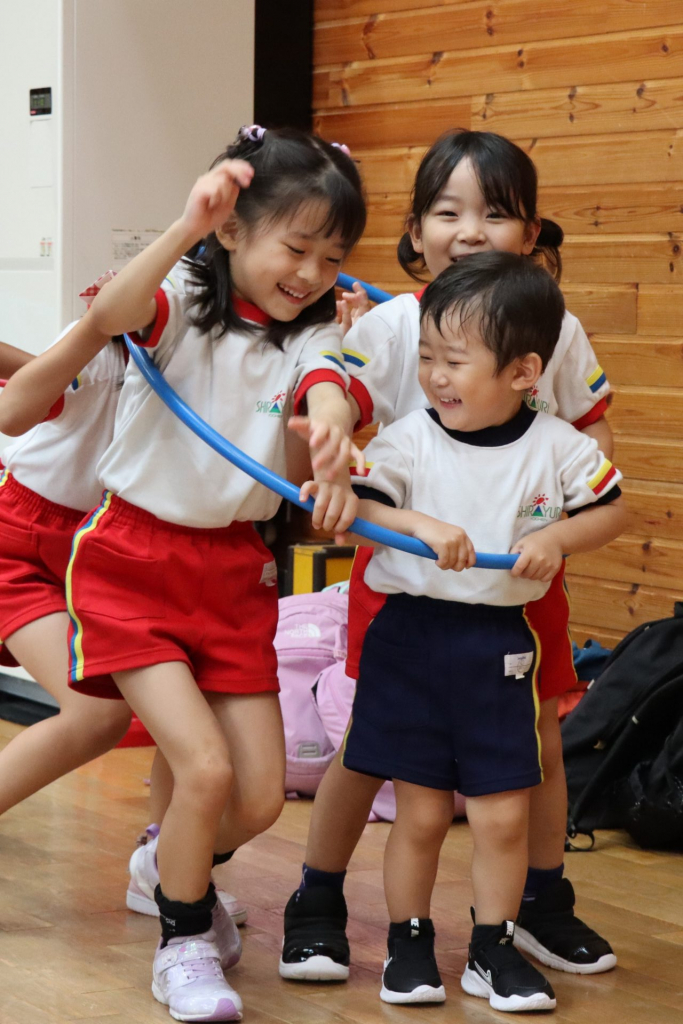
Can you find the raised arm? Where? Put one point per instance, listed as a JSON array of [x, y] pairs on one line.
[[127, 303], [12, 359]]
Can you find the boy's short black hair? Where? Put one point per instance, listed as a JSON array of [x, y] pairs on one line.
[[514, 304]]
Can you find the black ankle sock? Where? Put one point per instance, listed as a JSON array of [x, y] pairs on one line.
[[184, 919], [222, 858]]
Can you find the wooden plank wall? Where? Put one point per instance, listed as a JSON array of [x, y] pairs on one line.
[[594, 93]]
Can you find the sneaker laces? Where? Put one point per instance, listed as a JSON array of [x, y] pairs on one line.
[[204, 967]]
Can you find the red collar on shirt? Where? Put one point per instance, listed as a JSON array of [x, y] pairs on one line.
[[248, 311], [418, 295]]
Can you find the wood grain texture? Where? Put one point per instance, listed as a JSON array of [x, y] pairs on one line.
[[594, 95], [437, 73], [456, 26], [640, 360]]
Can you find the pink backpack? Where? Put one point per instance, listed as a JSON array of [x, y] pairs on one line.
[[334, 695], [311, 636]]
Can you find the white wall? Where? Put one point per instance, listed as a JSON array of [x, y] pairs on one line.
[[28, 292], [159, 87]]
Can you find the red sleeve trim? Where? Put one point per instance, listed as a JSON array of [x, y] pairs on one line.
[[594, 414], [359, 391], [315, 377], [160, 322], [56, 410]]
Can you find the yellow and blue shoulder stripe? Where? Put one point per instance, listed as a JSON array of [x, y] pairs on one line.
[[596, 379]]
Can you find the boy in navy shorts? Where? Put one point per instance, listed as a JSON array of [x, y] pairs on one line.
[[446, 696]]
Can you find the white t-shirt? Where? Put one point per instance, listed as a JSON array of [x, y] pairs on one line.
[[541, 467], [57, 459], [381, 353], [242, 387]]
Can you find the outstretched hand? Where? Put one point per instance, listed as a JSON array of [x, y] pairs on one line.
[[331, 449], [352, 306], [336, 506]]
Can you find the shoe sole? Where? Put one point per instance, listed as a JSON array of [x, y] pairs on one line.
[[421, 994], [225, 1009], [475, 985], [316, 968], [526, 941], [141, 904]]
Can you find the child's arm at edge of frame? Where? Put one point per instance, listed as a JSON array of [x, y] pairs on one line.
[[32, 391]]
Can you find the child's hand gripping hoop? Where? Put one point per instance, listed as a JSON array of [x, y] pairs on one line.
[[270, 479]]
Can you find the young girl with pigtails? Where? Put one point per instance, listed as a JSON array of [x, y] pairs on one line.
[[474, 191], [170, 589]]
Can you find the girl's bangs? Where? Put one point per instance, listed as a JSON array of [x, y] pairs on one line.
[[501, 185]]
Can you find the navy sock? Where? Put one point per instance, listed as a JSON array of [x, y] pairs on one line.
[[538, 879], [311, 877]]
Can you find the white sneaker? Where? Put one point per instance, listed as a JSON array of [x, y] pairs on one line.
[[187, 977], [144, 878]]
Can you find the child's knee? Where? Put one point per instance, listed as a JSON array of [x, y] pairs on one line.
[[206, 780], [426, 822], [257, 817], [499, 822], [96, 726]]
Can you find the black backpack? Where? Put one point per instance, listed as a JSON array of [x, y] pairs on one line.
[[623, 744]]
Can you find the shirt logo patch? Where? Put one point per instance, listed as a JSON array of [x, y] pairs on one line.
[[539, 509], [532, 399], [273, 407]]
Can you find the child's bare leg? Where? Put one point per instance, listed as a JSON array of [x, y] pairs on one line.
[[500, 829], [316, 947], [411, 860], [84, 728], [166, 699], [548, 808], [252, 725], [340, 813], [547, 926], [160, 788], [411, 857], [495, 969]]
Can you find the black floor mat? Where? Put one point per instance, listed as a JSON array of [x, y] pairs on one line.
[[22, 711]]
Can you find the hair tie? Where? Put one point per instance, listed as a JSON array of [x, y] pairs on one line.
[[344, 148], [252, 132]]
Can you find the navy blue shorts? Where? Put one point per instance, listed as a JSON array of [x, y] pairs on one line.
[[434, 705]]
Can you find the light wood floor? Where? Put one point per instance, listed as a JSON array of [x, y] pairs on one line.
[[70, 951]]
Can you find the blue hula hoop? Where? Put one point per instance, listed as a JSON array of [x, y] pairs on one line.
[[374, 294], [272, 480]]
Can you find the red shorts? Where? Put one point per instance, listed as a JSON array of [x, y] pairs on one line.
[[548, 617], [35, 545], [142, 591]]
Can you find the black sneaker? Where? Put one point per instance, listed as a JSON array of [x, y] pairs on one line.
[[315, 947], [498, 972], [410, 971], [548, 929]]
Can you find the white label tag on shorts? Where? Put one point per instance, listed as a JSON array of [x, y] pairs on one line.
[[518, 665], [269, 574]]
